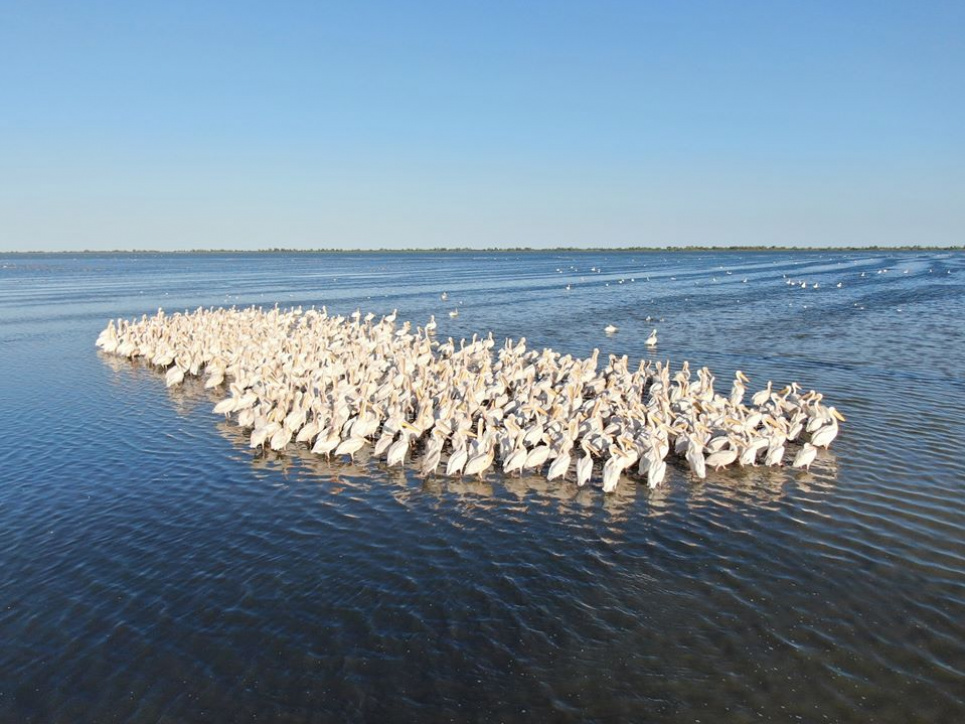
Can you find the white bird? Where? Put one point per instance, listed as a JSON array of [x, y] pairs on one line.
[[823, 436], [398, 450], [339, 385], [457, 461], [656, 473], [584, 469], [652, 339], [174, 376], [480, 463], [805, 457], [610, 328], [559, 467], [327, 440], [350, 446]]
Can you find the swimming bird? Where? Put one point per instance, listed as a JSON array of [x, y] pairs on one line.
[[652, 339], [340, 383], [611, 329]]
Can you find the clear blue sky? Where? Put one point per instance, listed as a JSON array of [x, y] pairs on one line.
[[173, 125]]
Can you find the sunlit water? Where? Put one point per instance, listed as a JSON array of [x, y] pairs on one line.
[[153, 568]]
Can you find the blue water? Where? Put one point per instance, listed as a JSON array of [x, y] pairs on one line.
[[154, 568]]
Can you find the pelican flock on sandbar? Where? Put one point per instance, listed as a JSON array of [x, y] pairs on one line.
[[337, 384]]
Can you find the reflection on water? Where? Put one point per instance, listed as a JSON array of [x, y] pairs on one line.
[[153, 567]]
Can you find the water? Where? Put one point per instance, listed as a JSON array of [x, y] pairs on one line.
[[152, 568]]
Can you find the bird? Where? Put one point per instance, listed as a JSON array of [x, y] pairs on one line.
[[805, 457], [652, 339], [584, 469], [559, 466], [340, 384], [480, 463], [824, 435], [611, 329], [350, 446]]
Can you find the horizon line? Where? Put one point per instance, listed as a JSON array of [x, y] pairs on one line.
[[500, 249]]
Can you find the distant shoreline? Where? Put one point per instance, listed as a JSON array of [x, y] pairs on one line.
[[499, 250]]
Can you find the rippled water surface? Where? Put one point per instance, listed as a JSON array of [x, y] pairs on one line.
[[153, 568]]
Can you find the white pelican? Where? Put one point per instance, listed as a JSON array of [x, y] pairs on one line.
[[560, 466], [350, 446], [611, 329], [656, 473], [481, 462], [652, 339], [584, 469], [805, 457], [339, 384]]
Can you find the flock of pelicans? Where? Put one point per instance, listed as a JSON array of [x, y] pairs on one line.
[[337, 384]]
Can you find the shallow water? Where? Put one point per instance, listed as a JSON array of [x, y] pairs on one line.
[[153, 568]]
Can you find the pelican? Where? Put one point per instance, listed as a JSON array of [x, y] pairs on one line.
[[695, 457], [656, 473], [652, 339], [457, 460], [805, 457], [327, 440], [341, 383], [174, 376], [584, 469], [398, 450], [722, 458], [823, 436], [559, 467], [481, 462], [762, 396], [350, 446], [611, 329], [433, 453]]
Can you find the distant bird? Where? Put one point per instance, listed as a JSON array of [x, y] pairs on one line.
[[652, 339], [610, 328], [454, 313]]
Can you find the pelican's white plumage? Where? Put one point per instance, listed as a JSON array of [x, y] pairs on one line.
[[340, 384]]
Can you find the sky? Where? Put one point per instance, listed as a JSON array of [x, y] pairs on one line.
[[242, 125]]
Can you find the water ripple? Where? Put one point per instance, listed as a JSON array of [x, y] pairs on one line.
[[154, 568]]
